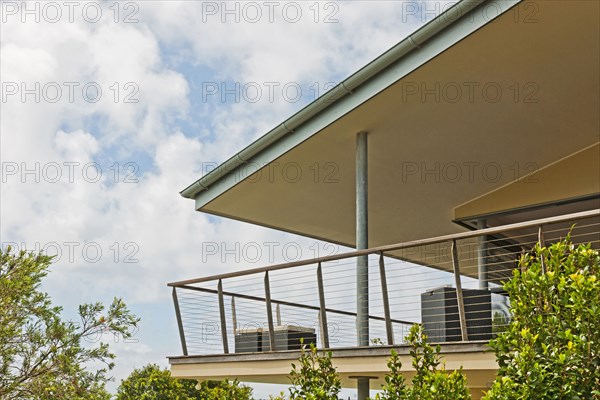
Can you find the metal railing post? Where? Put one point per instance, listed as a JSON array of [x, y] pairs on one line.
[[223, 318], [269, 312], [323, 309], [179, 322], [459, 294], [233, 315], [386, 302], [278, 314], [542, 244], [482, 255]]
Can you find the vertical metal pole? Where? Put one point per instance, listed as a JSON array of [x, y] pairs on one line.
[[482, 257], [269, 312], [321, 330], [459, 294], [362, 242], [233, 315], [179, 322], [386, 302], [222, 315], [322, 310], [278, 314], [542, 244]]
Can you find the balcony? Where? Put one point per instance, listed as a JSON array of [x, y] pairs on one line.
[[250, 324]]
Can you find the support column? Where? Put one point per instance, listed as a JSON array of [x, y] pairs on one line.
[[362, 262], [362, 388], [482, 272], [363, 391]]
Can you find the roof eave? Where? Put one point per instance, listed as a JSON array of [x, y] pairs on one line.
[[412, 42]]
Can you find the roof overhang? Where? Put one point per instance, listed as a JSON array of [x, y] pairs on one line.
[[453, 125], [369, 80], [573, 179]]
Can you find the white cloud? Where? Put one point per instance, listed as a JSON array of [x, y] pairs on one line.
[[141, 217], [77, 146], [310, 52]]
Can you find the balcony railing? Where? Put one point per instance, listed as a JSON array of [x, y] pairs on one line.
[[451, 284]]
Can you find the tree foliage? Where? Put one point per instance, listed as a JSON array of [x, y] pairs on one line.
[[429, 382], [154, 383], [551, 348], [314, 378], [43, 357], [224, 390]]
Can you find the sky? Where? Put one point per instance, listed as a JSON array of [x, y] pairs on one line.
[[110, 108]]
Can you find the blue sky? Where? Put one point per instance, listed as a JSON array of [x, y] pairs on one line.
[[96, 179]]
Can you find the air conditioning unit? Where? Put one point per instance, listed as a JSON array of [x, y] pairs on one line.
[[440, 318], [287, 337], [248, 340]]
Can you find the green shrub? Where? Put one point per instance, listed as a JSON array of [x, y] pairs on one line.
[[429, 382], [314, 378], [153, 383], [224, 390], [551, 348]]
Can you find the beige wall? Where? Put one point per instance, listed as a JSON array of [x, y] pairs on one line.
[[479, 366]]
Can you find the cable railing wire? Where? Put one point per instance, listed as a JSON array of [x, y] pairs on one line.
[[228, 313]]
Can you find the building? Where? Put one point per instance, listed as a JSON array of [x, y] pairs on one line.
[[440, 162]]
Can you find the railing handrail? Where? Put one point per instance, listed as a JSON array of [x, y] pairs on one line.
[[397, 246]]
